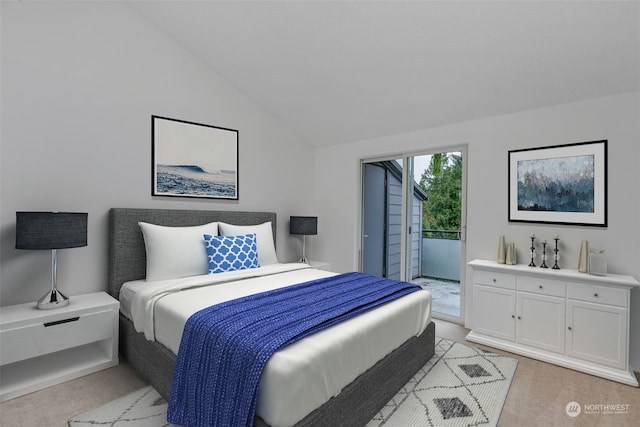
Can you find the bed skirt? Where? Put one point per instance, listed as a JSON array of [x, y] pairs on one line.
[[356, 404]]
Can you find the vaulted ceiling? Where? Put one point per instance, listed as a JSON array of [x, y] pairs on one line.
[[341, 71]]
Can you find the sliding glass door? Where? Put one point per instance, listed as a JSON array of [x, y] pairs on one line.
[[412, 224]]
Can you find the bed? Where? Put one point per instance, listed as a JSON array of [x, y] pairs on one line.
[[355, 404]]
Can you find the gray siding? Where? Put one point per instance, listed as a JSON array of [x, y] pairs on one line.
[[394, 226], [394, 230], [416, 238]]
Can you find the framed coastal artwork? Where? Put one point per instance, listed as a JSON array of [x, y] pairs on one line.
[[193, 159], [561, 184]]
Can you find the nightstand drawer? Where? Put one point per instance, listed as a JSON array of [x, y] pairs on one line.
[[50, 336]]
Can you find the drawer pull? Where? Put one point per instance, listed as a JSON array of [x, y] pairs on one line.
[[595, 295], [540, 286], [60, 322], [519, 318], [513, 316], [569, 328], [494, 280]]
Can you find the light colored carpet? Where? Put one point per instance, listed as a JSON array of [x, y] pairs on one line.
[[459, 386]]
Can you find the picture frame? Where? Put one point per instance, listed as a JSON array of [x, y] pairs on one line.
[[193, 159], [560, 184]]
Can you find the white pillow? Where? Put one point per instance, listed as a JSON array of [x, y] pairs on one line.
[[174, 252], [264, 239]]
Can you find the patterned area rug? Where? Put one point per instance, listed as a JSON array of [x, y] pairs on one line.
[[142, 408], [459, 386]]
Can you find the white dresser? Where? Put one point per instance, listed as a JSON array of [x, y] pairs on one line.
[[571, 319]]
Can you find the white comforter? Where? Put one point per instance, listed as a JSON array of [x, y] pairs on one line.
[[301, 376]]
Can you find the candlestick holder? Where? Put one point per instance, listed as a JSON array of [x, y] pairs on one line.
[[544, 255], [555, 255], [533, 248]]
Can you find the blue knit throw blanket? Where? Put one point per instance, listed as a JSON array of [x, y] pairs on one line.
[[225, 347]]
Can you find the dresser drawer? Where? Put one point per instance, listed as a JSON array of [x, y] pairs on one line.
[[535, 285], [489, 278], [598, 294], [36, 339]]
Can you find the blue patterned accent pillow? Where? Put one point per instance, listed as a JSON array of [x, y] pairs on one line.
[[229, 253]]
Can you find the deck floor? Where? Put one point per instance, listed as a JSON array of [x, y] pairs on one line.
[[446, 295]]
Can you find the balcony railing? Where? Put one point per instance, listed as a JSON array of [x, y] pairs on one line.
[[441, 254]]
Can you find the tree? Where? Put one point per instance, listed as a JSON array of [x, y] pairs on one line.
[[442, 183]]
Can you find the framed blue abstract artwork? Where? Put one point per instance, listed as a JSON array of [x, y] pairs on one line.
[[193, 159], [561, 184]]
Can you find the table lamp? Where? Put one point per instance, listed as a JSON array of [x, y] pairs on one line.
[[51, 230], [305, 226]]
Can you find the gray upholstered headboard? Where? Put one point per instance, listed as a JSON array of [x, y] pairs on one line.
[[127, 256]]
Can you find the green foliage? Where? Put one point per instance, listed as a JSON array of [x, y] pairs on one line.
[[442, 181]]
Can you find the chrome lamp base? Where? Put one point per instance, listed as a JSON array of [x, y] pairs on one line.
[[52, 299], [304, 257]]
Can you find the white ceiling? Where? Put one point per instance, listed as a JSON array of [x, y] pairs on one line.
[[341, 71]]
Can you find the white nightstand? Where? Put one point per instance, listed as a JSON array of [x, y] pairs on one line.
[[320, 265], [40, 348]]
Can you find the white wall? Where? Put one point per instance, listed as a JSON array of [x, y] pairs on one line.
[[80, 81], [614, 118]]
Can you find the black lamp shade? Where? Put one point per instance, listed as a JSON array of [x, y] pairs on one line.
[[305, 225], [51, 230]]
